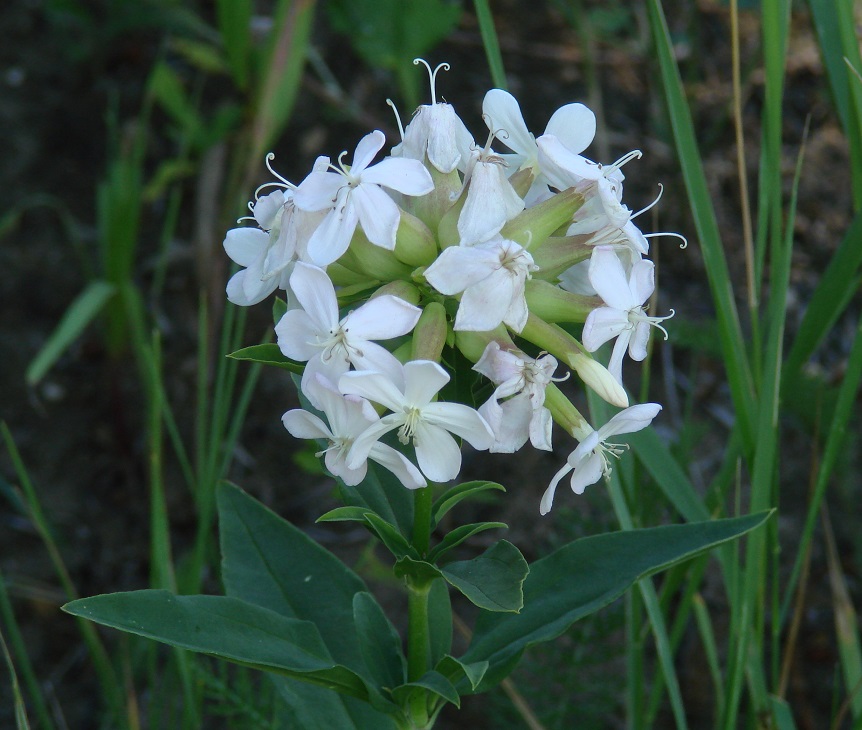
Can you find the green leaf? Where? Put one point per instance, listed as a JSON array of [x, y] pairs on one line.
[[279, 307], [80, 313], [433, 682], [234, 24], [586, 575], [227, 628], [493, 580], [344, 514], [456, 494], [267, 354], [394, 541], [309, 706], [269, 562], [379, 642], [420, 571], [457, 671], [381, 493], [458, 535], [439, 621]]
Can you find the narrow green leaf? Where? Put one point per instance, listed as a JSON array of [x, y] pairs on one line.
[[586, 575], [781, 713], [458, 535], [490, 42], [420, 571], [433, 682], [309, 706], [227, 628], [279, 307], [458, 493], [394, 541], [80, 313], [344, 514], [234, 24], [267, 354], [379, 642], [493, 580]]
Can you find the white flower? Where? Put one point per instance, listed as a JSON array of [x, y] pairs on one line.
[[589, 461], [492, 276], [491, 199], [624, 316], [330, 345], [348, 416], [353, 194], [418, 419], [436, 131], [573, 125], [516, 410]]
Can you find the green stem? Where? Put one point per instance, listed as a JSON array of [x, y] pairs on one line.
[[422, 499]]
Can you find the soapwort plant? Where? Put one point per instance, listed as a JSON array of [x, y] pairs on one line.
[[393, 271]]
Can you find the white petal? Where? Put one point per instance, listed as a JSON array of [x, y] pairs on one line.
[[365, 151], [382, 318], [639, 340], [423, 380], [336, 462], [318, 190], [314, 291], [563, 167], [372, 356], [267, 208], [297, 335], [363, 443], [406, 176], [403, 469], [378, 215], [642, 280], [377, 387], [459, 267], [304, 425], [548, 497], [448, 134], [331, 369], [602, 325], [491, 201], [245, 245], [437, 452], [240, 293], [485, 304], [609, 279], [587, 472], [574, 125], [513, 428], [615, 365], [461, 420], [503, 116], [630, 420], [332, 237], [541, 427]]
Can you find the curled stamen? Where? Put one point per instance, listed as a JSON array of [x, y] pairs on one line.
[[246, 218], [280, 186], [432, 75], [397, 118], [627, 157], [657, 198], [269, 158], [684, 240]]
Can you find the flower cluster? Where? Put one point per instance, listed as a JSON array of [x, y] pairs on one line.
[[449, 245]]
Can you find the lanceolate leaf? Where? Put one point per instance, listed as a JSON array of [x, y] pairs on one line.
[[379, 642], [227, 628], [267, 354], [586, 575]]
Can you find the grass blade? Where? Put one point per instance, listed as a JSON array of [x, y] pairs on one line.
[[490, 42]]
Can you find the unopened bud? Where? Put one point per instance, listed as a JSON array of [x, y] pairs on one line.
[[429, 335], [559, 253], [401, 289], [553, 304], [447, 231], [376, 262], [430, 208], [472, 344], [414, 242], [522, 181], [599, 379], [564, 413], [532, 226], [343, 276]]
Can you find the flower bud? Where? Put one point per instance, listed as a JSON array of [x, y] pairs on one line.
[[532, 226], [472, 344], [522, 181], [374, 261], [429, 335], [564, 413], [344, 276], [553, 304], [598, 378], [401, 289], [447, 231], [559, 253], [414, 242], [430, 208]]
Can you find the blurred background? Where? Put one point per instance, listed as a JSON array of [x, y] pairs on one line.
[[133, 134]]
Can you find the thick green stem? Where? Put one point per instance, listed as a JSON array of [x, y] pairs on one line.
[[422, 519]]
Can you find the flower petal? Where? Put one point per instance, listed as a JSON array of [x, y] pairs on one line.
[[423, 379], [574, 125], [374, 386], [491, 201], [316, 294], [631, 420], [378, 215], [318, 190], [548, 497], [437, 452], [461, 420], [459, 267], [304, 425], [406, 176], [245, 245], [587, 472], [332, 237], [297, 335], [365, 151], [609, 279], [403, 469], [485, 304], [502, 114], [602, 325], [382, 318]]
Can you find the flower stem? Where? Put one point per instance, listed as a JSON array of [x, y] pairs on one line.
[[422, 519], [417, 606]]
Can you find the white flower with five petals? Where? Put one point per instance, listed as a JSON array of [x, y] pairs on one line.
[[492, 276], [354, 195], [624, 316], [420, 420], [589, 461], [349, 416], [315, 332]]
